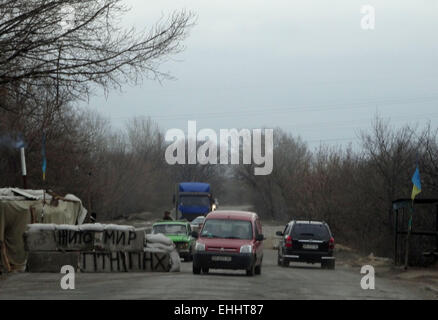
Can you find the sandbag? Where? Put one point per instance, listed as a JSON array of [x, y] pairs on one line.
[[160, 246], [158, 238], [175, 261]]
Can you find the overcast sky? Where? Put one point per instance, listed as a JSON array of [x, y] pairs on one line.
[[305, 66]]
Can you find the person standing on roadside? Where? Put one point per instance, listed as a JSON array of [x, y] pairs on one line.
[[167, 216]]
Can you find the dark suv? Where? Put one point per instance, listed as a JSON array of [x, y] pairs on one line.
[[306, 241]]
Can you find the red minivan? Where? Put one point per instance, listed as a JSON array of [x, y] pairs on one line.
[[229, 240]]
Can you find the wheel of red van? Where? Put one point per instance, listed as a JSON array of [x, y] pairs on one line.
[[196, 270], [258, 269], [251, 270]]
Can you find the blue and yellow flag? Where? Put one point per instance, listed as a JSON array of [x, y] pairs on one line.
[[416, 189]]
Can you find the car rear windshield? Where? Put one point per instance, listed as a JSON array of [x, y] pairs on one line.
[[171, 229], [310, 231], [227, 229], [198, 220]]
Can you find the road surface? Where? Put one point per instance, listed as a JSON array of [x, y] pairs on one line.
[[300, 281]]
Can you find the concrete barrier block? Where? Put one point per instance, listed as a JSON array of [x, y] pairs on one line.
[[51, 261], [40, 240], [139, 242], [103, 261]]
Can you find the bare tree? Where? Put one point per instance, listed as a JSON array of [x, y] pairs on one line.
[[391, 154], [37, 45], [428, 143], [279, 194]]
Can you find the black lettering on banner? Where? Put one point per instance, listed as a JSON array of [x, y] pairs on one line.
[[84, 259], [72, 237], [116, 259], [108, 235], [87, 237], [62, 237], [132, 236], [121, 237], [120, 261], [135, 257], [123, 256], [129, 260], [145, 259]]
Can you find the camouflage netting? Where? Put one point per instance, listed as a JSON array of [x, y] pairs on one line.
[[18, 210]]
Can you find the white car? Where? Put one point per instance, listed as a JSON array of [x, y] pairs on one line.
[[197, 223]]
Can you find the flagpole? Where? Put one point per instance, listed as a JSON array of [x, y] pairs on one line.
[[416, 189]]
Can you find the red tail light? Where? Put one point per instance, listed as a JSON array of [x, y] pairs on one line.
[[332, 243], [289, 242]]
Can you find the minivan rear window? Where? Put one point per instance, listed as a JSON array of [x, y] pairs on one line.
[[306, 231], [227, 229]]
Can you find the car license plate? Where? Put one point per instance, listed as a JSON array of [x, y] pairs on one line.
[[220, 258], [310, 246]]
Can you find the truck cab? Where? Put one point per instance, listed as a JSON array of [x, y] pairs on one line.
[[193, 199]]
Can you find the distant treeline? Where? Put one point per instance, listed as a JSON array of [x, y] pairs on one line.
[[125, 172]]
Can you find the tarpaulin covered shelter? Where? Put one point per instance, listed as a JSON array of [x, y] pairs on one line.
[[19, 207]]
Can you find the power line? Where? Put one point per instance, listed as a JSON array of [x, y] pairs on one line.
[[303, 108]]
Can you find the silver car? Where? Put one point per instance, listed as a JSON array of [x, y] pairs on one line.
[[197, 223]]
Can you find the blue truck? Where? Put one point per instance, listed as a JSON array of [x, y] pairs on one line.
[[193, 199]]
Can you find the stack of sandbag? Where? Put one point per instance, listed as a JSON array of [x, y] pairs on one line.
[[160, 243], [95, 248]]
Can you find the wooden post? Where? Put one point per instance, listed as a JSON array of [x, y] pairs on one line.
[[5, 257], [408, 236]]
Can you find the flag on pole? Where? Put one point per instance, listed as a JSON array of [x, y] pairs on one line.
[[416, 189], [43, 153]]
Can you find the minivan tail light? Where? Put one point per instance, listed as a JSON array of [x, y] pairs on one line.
[[332, 243], [289, 242]]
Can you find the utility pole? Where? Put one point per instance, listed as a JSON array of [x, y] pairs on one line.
[[23, 167], [89, 191]]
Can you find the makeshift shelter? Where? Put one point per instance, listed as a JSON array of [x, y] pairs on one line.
[[401, 209], [19, 207]]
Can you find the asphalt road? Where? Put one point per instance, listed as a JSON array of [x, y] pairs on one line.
[[299, 281]]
